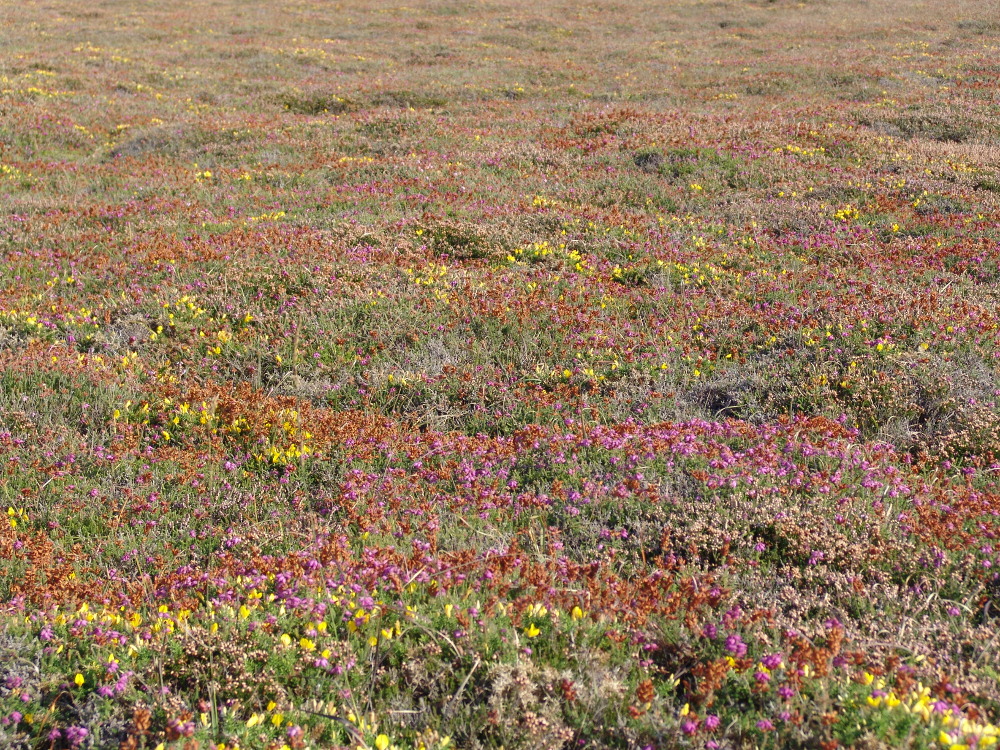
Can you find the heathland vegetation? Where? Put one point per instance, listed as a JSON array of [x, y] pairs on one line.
[[499, 374]]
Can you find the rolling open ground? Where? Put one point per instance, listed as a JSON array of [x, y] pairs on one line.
[[499, 374]]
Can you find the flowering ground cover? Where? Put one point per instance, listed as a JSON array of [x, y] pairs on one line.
[[499, 374]]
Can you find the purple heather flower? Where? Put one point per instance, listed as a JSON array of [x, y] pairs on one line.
[[771, 661], [765, 725], [712, 722], [735, 645], [75, 735], [689, 726]]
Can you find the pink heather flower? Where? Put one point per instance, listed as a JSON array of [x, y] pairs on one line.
[[712, 722], [765, 725], [762, 677], [122, 683], [689, 726], [771, 661], [735, 645], [75, 735]]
